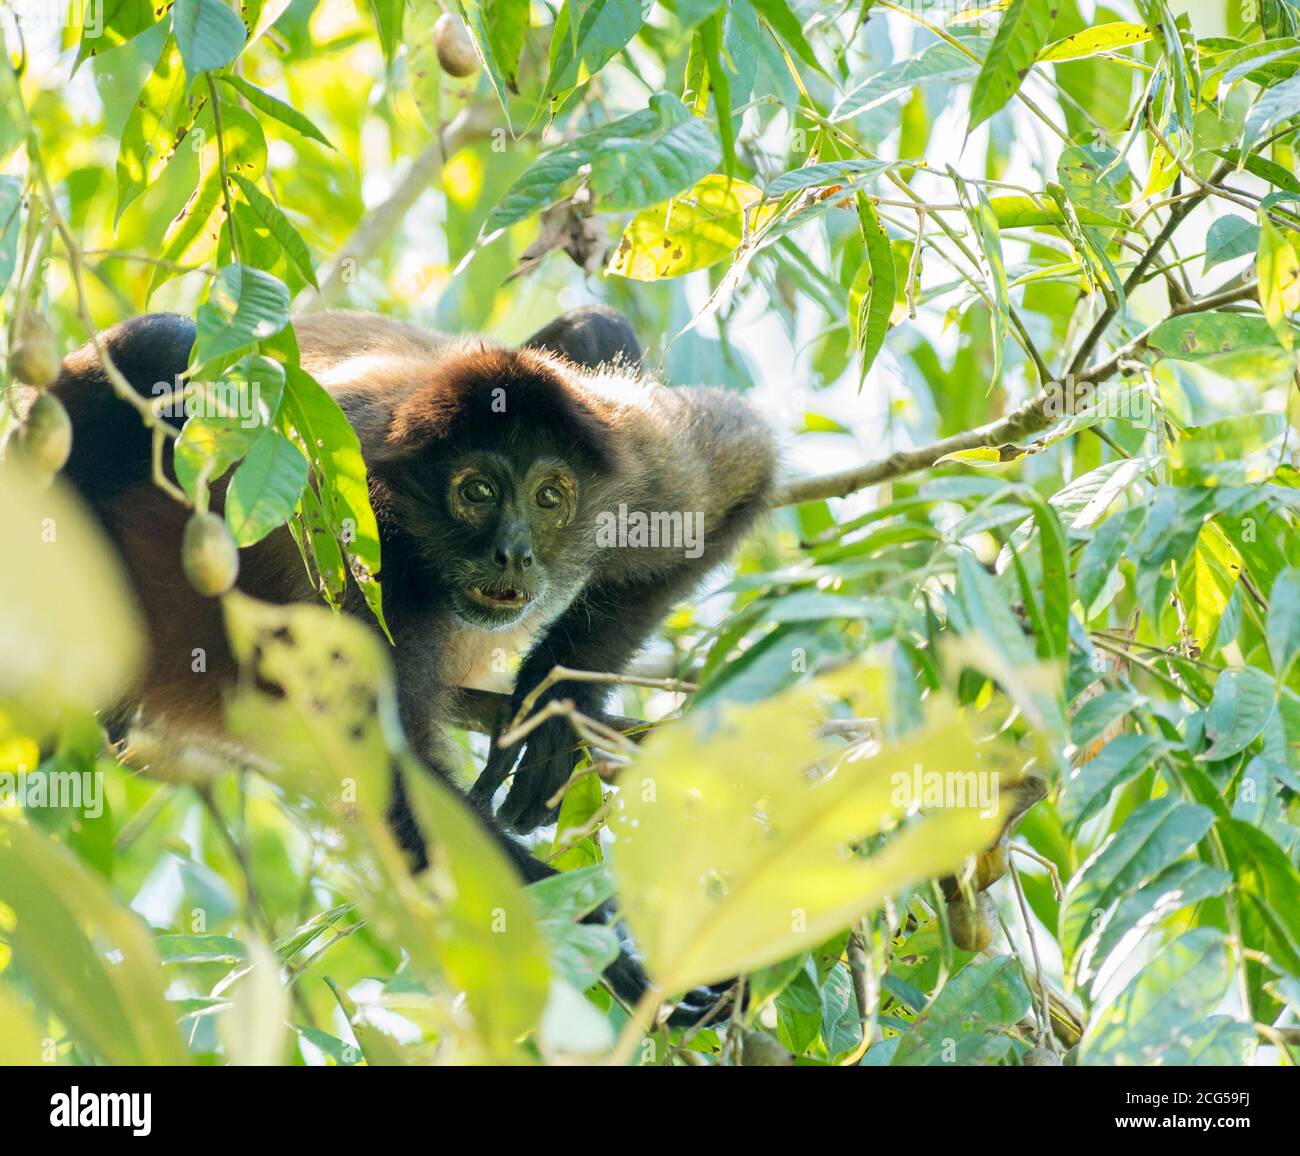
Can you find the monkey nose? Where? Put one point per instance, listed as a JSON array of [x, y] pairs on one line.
[[518, 554]]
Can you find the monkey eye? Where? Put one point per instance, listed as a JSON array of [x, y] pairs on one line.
[[478, 491], [548, 497]]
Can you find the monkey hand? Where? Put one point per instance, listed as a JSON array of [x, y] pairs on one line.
[[628, 978], [547, 758]]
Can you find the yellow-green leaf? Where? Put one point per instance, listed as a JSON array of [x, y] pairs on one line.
[[699, 228], [730, 851], [1206, 582], [1091, 41], [1279, 279], [69, 632], [91, 960]]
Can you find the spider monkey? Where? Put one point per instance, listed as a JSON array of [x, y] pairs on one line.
[[496, 476]]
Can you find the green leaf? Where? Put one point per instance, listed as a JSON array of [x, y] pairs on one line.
[[1229, 237], [646, 168], [339, 471], [939, 62], [1091, 784], [985, 994], [1162, 1005], [340, 1052], [554, 174], [1154, 836], [871, 296], [11, 199], [161, 118], [1243, 700], [268, 212], [492, 947], [194, 233], [264, 490], [388, 23], [1018, 211], [1218, 453], [786, 25], [1112, 37], [580, 951], [1022, 33], [208, 34], [1278, 269], [1262, 61], [1284, 621], [244, 306], [825, 173], [226, 418], [1206, 582], [118, 22], [989, 615], [199, 949], [697, 229], [1179, 886], [711, 37], [985, 221], [581, 47], [1275, 106], [506, 25], [275, 108], [1209, 337], [1267, 170], [1101, 556]]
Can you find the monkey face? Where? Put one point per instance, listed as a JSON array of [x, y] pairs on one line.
[[510, 531]]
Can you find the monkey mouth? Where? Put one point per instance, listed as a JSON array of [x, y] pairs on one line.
[[498, 597]]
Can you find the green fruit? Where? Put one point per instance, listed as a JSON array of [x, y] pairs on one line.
[[455, 48], [1040, 1058], [45, 440], [764, 1051], [209, 555], [973, 928], [34, 356]]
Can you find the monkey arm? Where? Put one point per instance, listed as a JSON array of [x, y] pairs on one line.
[[601, 630]]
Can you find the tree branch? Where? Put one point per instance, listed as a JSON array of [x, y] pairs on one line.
[[1035, 415], [489, 712], [472, 123]]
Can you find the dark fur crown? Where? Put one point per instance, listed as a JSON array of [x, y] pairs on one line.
[[492, 398]]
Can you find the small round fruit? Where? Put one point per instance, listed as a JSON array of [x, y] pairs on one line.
[[455, 48], [761, 1050], [990, 867], [973, 927], [209, 555], [45, 440], [34, 357], [1040, 1058]]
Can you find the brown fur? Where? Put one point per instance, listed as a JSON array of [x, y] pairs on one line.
[[416, 398]]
